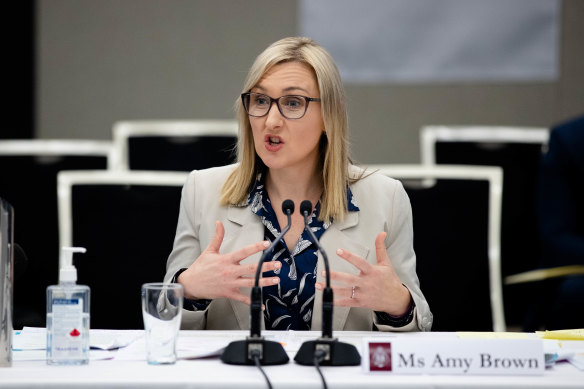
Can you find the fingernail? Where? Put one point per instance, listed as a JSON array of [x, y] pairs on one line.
[[323, 273], [340, 251], [318, 286], [277, 265], [275, 280], [266, 244]]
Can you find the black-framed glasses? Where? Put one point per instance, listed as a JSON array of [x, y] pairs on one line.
[[290, 106]]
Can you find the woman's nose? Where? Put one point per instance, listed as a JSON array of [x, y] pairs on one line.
[[274, 118]]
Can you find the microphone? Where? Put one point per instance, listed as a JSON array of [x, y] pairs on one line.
[[326, 350], [268, 352]]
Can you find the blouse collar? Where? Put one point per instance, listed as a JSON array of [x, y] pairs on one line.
[[258, 196]]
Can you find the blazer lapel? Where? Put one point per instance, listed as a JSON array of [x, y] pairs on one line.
[[333, 239], [247, 229]]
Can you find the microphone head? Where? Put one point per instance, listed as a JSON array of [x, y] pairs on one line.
[[305, 208], [288, 205]]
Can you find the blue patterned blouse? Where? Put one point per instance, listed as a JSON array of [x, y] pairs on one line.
[[289, 303]]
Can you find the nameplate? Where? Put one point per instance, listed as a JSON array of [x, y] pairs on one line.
[[426, 355]]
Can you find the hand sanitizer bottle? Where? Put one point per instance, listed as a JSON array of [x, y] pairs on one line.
[[68, 315]]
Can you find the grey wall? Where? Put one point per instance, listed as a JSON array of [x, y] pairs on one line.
[[100, 61]]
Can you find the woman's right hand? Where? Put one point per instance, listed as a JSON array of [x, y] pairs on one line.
[[215, 275]]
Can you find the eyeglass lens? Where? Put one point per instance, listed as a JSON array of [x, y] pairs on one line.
[[292, 107]]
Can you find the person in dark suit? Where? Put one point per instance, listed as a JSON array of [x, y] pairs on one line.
[[561, 222]]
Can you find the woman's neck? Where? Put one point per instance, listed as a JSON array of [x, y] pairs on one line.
[[294, 184]]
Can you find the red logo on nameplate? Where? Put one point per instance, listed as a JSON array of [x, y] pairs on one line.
[[379, 356]]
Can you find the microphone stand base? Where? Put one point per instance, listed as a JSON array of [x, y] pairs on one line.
[[337, 353], [239, 352]]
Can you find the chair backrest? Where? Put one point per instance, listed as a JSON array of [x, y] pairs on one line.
[[174, 145], [518, 151], [478, 135], [456, 239], [127, 222], [28, 180]]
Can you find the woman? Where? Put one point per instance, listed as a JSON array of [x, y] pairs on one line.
[[296, 150]]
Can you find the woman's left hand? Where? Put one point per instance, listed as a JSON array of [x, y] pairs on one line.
[[376, 287]]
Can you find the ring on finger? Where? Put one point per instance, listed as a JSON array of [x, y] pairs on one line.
[[353, 292]]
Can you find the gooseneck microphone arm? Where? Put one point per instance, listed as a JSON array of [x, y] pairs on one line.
[[327, 293], [255, 349], [325, 350], [256, 291]]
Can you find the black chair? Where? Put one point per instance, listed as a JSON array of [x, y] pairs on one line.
[[127, 222], [456, 224], [518, 151], [28, 180], [174, 145]]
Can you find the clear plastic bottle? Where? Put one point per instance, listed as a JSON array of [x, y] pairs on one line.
[[68, 316]]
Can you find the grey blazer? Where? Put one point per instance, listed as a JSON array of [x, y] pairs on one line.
[[384, 206]]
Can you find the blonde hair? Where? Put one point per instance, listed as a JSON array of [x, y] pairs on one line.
[[334, 143]]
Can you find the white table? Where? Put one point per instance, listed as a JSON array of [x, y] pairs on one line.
[[212, 373]]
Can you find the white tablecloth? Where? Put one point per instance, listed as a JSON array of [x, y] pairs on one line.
[[130, 370]]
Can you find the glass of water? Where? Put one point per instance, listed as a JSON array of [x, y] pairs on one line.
[[162, 310]]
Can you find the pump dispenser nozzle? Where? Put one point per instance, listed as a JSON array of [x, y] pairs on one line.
[[68, 272]]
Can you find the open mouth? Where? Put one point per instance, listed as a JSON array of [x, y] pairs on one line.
[[274, 140]]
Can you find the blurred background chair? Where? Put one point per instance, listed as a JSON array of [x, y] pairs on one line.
[[518, 151], [127, 222], [457, 242], [28, 180], [174, 145]]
